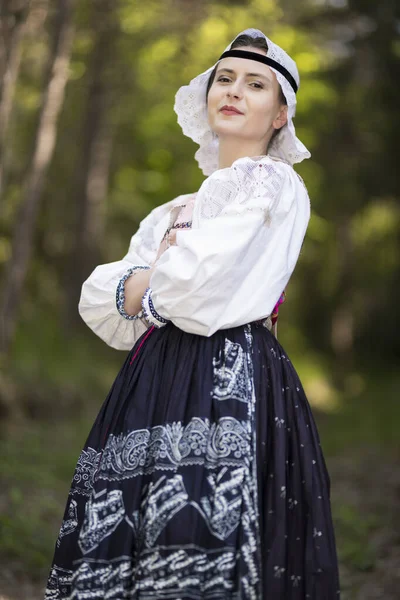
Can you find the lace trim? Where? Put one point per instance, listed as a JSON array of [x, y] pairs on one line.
[[120, 293], [248, 185], [149, 312]]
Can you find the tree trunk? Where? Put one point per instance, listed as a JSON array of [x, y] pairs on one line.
[[93, 160], [13, 14], [56, 79]]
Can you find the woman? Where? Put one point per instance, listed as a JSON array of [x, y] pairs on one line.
[[203, 475]]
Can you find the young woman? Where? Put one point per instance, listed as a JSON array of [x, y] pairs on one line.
[[203, 474]]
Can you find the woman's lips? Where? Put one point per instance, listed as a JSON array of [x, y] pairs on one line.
[[225, 111]]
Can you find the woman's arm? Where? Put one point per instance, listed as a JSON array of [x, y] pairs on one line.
[[135, 287], [110, 296]]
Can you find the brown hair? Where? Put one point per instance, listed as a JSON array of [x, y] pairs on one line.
[[257, 42]]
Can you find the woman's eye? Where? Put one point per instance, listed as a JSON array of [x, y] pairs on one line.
[[256, 84]]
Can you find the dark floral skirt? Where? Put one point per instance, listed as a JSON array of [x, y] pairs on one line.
[[202, 478]]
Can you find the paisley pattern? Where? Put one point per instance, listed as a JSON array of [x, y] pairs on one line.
[[166, 447], [85, 470], [202, 478]]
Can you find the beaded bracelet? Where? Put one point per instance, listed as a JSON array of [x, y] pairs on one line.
[[150, 314], [120, 293]]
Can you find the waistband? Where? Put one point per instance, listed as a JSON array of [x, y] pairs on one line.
[[267, 323]]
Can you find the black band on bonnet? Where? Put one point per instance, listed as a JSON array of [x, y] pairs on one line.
[[263, 59]]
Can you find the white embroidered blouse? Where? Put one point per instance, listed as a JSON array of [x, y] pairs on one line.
[[230, 268]]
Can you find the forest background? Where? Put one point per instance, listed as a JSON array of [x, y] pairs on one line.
[[89, 144]]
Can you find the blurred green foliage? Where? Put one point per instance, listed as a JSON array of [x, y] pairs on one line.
[[340, 321]]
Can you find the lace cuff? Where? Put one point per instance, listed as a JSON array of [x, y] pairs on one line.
[[150, 314], [120, 294]]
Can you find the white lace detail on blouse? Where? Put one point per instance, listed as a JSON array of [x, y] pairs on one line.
[[255, 179]]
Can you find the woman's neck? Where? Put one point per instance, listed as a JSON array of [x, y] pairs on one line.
[[231, 149]]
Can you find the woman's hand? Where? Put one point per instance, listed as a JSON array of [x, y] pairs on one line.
[[168, 240], [172, 237]]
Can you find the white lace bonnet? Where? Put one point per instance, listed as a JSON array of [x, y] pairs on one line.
[[191, 108]]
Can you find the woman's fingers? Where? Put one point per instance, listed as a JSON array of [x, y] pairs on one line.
[[168, 240], [172, 237]]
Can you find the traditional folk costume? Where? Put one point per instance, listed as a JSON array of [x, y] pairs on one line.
[[203, 475]]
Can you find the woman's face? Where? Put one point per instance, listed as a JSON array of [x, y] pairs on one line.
[[253, 89]]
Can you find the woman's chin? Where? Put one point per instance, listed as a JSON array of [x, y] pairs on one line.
[[226, 129]]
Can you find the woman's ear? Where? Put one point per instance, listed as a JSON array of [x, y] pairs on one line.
[[281, 119]]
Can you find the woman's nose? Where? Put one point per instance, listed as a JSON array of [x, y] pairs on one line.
[[235, 90]]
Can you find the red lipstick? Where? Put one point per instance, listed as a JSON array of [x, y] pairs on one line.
[[230, 110]]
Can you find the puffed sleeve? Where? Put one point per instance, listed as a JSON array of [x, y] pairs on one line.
[[101, 304], [249, 223]]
